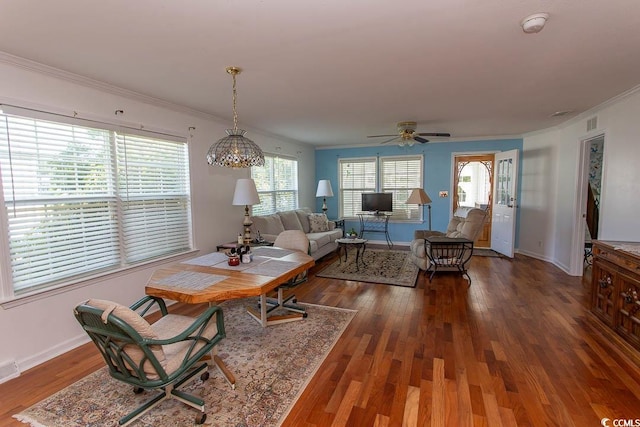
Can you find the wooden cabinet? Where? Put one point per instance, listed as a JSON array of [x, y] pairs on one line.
[[615, 288]]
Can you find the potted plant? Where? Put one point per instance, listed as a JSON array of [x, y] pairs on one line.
[[352, 233]]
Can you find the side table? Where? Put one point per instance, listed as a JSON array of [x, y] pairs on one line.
[[448, 253], [360, 245], [339, 224]]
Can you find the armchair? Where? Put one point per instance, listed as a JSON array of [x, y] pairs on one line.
[[160, 356], [466, 223]]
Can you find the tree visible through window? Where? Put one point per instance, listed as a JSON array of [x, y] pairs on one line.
[[277, 185]]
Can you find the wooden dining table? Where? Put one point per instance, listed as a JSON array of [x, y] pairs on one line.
[[209, 278]]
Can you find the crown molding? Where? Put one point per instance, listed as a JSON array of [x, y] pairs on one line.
[[37, 67], [588, 113], [58, 73]]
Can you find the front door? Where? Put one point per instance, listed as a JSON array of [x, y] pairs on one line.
[[472, 187], [505, 202]]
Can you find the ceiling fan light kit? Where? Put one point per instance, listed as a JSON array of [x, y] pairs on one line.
[[534, 23], [407, 135]]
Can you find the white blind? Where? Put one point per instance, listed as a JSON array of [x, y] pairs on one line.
[[357, 176], [399, 176], [277, 185], [153, 183], [62, 187]]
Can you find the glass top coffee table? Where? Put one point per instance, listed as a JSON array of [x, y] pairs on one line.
[[359, 244]]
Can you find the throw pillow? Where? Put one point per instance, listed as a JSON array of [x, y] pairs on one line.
[[318, 222]]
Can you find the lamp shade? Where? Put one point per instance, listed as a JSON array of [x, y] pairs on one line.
[[418, 197], [324, 188], [246, 193]]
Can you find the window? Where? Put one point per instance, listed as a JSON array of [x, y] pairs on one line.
[[357, 176], [396, 175], [277, 185], [83, 200], [399, 175]]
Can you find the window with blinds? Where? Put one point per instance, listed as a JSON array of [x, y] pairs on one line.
[[396, 175], [357, 176], [277, 185], [399, 175], [83, 200]]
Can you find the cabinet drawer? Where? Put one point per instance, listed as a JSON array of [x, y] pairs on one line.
[[617, 259]]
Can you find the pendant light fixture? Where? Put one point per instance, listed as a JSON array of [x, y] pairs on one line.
[[235, 150]]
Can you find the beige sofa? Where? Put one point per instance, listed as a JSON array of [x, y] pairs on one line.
[[321, 241]]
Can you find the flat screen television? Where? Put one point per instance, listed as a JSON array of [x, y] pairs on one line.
[[377, 202]]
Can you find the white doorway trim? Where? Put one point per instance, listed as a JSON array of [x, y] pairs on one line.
[[580, 208]]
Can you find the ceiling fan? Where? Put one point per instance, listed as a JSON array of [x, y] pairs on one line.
[[407, 134]]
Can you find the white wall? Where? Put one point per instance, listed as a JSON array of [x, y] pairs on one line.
[[37, 331], [550, 162]]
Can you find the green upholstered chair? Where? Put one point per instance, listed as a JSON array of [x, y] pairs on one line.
[[159, 356]]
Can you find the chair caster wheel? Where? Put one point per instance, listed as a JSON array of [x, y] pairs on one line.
[[304, 315], [204, 376], [137, 390], [200, 419]]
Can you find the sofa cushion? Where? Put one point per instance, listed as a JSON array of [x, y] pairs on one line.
[[318, 223], [321, 239], [304, 218], [290, 220], [141, 326], [268, 224]]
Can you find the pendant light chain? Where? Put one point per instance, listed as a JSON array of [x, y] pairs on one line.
[[233, 72]]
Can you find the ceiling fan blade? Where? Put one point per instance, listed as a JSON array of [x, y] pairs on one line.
[[440, 134], [389, 140], [420, 139], [378, 136]]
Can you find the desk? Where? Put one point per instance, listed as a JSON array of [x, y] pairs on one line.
[[208, 278], [375, 223]]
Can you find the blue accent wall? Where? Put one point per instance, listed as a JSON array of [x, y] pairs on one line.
[[438, 158]]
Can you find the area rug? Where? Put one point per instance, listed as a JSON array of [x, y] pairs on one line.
[[272, 366], [485, 252], [380, 266]]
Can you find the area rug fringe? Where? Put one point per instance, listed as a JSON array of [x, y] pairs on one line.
[[28, 420]]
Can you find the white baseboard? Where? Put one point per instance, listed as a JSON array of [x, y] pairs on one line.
[[52, 352], [8, 370]]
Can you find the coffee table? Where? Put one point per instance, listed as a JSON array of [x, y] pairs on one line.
[[359, 244]]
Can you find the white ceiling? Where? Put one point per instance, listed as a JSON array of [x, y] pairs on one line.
[[330, 72]]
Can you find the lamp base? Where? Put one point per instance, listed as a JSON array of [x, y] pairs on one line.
[[247, 226]]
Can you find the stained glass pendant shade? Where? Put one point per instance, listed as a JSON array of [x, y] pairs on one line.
[[235, 150]]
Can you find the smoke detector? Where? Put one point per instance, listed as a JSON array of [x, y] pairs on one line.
[[534, 23]]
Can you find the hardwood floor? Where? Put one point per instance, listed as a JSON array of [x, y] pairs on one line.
[[517, 348]]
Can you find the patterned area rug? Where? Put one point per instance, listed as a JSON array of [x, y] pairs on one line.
[[380, 266], [272, 366]]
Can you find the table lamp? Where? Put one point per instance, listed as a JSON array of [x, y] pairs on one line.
[[419, 197], [247, 195], [324, 191]]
